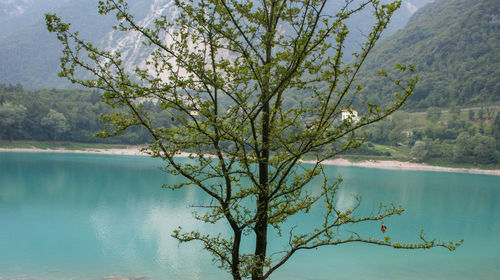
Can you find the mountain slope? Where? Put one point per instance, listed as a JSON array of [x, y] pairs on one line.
[[30, 55], [455, 45], [17, 14]]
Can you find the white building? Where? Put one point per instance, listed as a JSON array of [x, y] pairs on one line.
[[350, 114]]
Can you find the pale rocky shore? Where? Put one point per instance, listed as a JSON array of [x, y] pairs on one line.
[[400, 165], [382, 164], [132, 151]]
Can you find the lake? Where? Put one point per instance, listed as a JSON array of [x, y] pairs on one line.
[[81, 216]]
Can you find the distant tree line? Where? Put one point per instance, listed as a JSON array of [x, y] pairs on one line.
[[60, 115], [73, 115]]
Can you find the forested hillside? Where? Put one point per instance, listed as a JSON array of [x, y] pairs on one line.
[[469, 136], [455, 46], [29, 56]]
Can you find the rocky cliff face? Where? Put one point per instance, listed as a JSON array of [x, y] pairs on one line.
[[129, 44]]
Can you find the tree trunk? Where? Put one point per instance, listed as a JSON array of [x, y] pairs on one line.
[[235, 270], [263, 198], [262, 201], [261, 239]]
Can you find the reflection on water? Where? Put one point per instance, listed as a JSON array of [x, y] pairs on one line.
[[82, 217]]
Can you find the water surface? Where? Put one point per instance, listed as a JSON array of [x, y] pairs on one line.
[[74, 216]]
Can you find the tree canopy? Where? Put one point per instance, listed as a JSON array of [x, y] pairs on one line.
[[55, 122], [221, 69], [11, 118]]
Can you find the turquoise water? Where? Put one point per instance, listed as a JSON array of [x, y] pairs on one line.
[[67, 216]]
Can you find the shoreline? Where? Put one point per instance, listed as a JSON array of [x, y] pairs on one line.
[[379, 164], [409, 166]]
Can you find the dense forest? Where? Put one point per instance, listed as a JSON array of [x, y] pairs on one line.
[[62, 115], [454, 46]]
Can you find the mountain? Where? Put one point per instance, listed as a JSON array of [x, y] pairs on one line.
[[17, 14], [398, 21], [30, 55], [455, 46]]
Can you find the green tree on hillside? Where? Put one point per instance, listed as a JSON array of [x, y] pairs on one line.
[[55, 123], [222, 70], [11, 119], [496, 125], [419, 151], [463, 146], [495, 131], [480, 113], [433, 114], [484, 148], [471, 115]]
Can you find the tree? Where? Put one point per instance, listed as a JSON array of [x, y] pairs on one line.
[[471, 114], [223, 70], [455, 111], [484, 148], [433, 114], [481, 128], [489, 113], [11, 118], [463, 146], [56, 123], [419, 151], [496, 127], [480, 113], [397, 135]]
